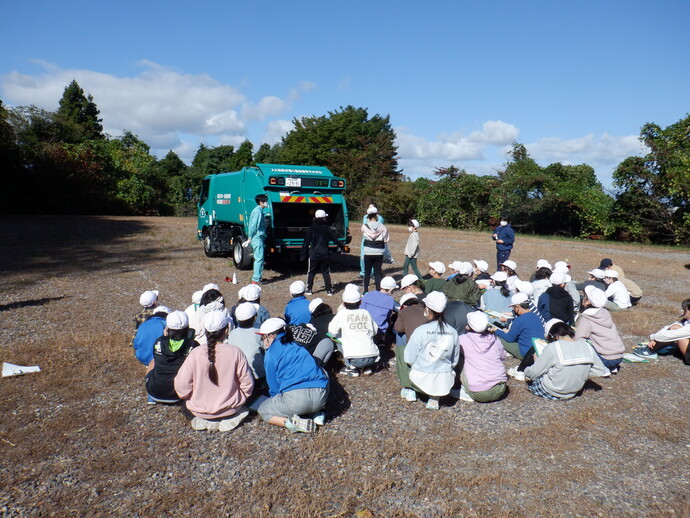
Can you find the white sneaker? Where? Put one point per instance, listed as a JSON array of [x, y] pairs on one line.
[[319, 419], [408, 395], [233, 422], [464, 396], [203, 424], [514, 373], [432, 404]]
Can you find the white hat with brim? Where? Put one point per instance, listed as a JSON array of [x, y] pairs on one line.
[[408, 280], [435, 301], [315, 304], [210, 286], [196, 297], [148, 298], [438, 267], [550, 324], [320, 214], [162, 309], [406, 297], [597, 273], [215, 321], [524, 287], [297, 288], [482, 265], [251, 292], [518, 298], [596, 296], [415, 223], [177, 320], [388, 283], [271, 326], [500, 277], [245, 311], [543, 263], [478, 321], [612, 274], [510, 264], [351, 295], [557, 278]]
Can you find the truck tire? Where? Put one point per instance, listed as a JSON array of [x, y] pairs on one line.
[[241, 255], [209, 249]]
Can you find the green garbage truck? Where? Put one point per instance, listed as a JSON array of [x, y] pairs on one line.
[[295, 193]]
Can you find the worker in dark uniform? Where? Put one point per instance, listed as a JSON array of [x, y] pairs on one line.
[[315, 247]]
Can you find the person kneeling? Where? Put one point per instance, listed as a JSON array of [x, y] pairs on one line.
[[297, 386], [562, 368], [215, 379]]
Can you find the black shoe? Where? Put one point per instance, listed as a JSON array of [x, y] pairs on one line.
[[330, 293]]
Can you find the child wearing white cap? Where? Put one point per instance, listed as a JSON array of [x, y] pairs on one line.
[[148, 333], [215, 380], [251, 293], [191, 309], [169, 353], [356, 330], [481, 270], [562, 368], [556, 302], [244, 336], [616, 292], [149, 302], [510, 267], [297, 309], [669, 339], [375, 237], [497, 298], [297, 385], [316, 249], [427, 363], [436, 283], [596, 325], [412, 248], [381, 306], [483, 375], [462, 288], [212, 300]]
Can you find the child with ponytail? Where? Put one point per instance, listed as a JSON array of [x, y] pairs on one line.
[[215, 379]]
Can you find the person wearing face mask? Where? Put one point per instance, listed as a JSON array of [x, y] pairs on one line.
[[412, 248], [504, 237]]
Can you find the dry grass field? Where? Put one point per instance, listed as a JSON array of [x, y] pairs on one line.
[[78, 439]]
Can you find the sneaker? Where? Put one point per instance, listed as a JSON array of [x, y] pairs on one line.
[[464, 396], [330, 293], [353, 372], [150, 400], [367, 372], [308, 293], [392, 362], [233, 422], [203, 424], [432, 404], [645, 352], [319, 419], [297, 424], [615, 370], [514, 373], [408, 395]]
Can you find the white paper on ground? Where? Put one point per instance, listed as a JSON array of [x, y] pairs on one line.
[[9, 369]]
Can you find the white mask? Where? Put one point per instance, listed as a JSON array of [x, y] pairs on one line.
[[504, 223], [411, 229]]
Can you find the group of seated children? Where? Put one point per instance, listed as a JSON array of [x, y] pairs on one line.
[[450, 340]]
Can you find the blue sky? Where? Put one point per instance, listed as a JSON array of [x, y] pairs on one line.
[[573, 81]]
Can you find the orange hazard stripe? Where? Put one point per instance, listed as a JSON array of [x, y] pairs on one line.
[[306, 199]]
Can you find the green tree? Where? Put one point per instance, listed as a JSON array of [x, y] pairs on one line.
[[243, 157], [266, 154], [351, 144], [139, 185], [77, 116], [652, 203]]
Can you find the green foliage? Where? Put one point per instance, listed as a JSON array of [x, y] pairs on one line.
[[77, 116], [351, 145], [653, 201]]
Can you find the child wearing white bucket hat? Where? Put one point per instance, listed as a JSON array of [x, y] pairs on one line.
[[596, 325]]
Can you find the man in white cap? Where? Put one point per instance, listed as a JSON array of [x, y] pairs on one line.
[[518, 340], [316, 249], [169, 353], [436, 283], [616, 292], [297, 309], [355, 330], [412, 248], [504, 236], [381, 306]]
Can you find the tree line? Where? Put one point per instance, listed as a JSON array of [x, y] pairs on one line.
[[62, 162]]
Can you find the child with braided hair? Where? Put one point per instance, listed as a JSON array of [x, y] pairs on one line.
[[215, 380]]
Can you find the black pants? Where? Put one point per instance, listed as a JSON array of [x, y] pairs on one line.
[[319, 265], [375, 262]]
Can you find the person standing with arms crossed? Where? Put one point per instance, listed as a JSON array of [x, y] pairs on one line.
[[257, 235], [504, 235]]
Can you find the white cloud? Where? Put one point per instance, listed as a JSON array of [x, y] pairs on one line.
[[606, 150], [498, 133], [276, 130], [163, 106]]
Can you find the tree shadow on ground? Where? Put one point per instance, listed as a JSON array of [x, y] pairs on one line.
[[27, 303], [65, 244]]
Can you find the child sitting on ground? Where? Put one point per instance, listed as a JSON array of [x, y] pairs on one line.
[[381, 306], [436, 283], [565, 364], [596, 325], [355, 329], [668, 338]]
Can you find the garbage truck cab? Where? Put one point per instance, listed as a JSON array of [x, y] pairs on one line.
[[294, 193]]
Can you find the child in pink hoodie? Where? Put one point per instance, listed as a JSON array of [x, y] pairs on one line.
[[483, 375]]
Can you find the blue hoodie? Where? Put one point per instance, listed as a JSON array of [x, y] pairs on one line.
[[291, 367], [297, 311], [147, 334]]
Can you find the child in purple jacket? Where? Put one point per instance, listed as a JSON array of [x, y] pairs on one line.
[[483, 375]]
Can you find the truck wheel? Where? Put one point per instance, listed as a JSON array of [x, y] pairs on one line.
[[241, 256], [209, 249]]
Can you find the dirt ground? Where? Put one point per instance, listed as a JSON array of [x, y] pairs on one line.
[[79, 439]]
